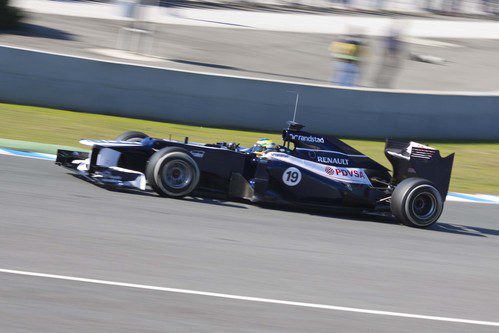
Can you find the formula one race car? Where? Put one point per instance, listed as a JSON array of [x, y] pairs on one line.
[[307, 170]]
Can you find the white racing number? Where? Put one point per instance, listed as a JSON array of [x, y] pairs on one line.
[[291, 177]]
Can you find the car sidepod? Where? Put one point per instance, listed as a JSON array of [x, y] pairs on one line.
[[283, 178]]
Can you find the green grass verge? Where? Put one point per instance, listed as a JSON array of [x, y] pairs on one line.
[[475, 166]]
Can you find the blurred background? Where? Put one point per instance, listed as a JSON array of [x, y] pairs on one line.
[[232, 71], [422, 70], [447, 45]]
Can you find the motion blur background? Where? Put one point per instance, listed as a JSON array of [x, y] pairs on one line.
[[422, 70], [447, 45], [230, 71]]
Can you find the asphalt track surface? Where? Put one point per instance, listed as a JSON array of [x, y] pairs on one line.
[[52, 222], [472, 65]]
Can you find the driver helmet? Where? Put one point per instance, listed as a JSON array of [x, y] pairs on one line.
[[263, 145]]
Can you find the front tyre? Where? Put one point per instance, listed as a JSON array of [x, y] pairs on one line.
[[416, 203], [172, 172], [131, 136]]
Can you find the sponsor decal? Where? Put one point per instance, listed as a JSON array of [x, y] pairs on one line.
[[346, 172], [303, 138], [291, 176], [343, 174], [197, 153], [332, 160]]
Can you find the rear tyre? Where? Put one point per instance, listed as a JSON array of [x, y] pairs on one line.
[[416, 203], [132, 136], [172, 172]]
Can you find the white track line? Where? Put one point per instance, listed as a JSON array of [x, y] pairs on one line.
[[252, 299]]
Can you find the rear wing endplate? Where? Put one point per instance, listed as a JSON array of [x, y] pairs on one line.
[[411, 159]]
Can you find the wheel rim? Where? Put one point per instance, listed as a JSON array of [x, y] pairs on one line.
[[177, 174], [424, 206]]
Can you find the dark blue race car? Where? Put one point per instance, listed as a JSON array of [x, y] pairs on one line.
[[307, 170]]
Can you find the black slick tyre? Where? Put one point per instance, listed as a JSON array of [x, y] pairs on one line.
[[131, 136], [172, 172], [416, 203]]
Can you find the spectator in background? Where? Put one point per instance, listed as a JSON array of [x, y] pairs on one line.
[[347, 54], [131, 8], [392, 56]]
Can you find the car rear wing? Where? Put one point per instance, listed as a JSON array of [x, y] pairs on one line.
[[412, 159]]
